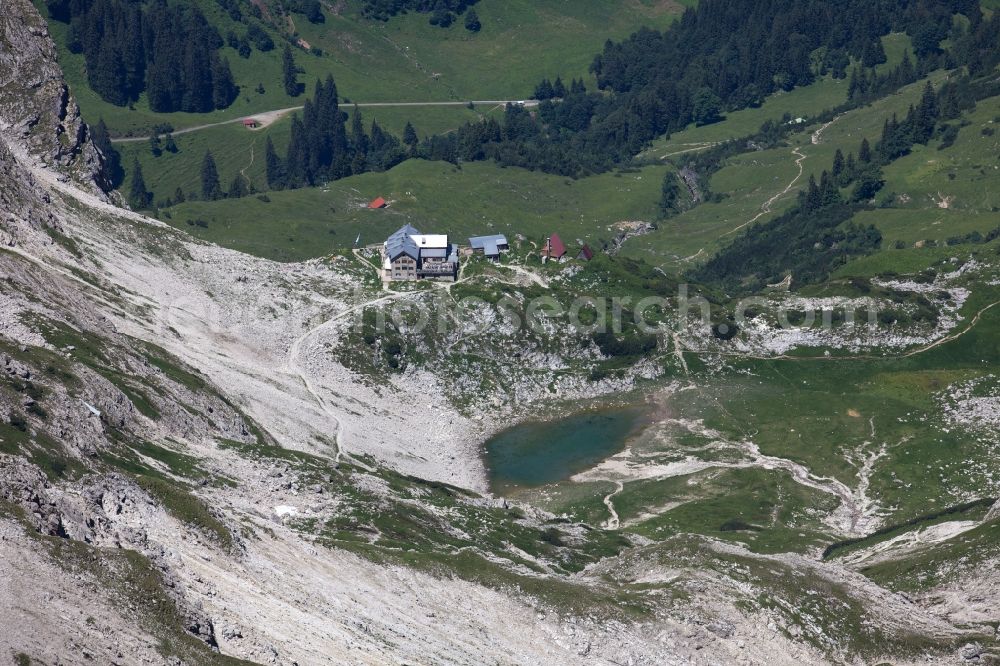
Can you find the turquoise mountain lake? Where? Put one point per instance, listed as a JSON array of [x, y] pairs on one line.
[[536, 453]]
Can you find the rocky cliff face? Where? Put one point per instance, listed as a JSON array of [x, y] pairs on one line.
[[994, 513], [22, 204], [37, 109]]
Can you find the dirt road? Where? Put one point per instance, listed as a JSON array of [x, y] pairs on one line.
[[266, 118]]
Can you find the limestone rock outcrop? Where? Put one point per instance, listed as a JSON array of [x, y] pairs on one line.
[[37, 109]]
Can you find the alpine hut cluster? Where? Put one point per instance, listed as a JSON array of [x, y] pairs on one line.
[[409, 254]]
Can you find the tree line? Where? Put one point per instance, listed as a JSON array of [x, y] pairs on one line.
[[651, 83], [442, 12]]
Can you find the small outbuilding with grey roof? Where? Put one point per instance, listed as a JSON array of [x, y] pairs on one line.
[[490, 246]]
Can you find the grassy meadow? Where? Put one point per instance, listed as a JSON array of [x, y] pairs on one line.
[[402, 60], [478, 198]]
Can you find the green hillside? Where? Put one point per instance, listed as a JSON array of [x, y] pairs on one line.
[[965, 175], [238, 150], [402, 60], [406, 59], [475, 199]]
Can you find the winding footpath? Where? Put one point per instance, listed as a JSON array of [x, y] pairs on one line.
[[613, 523], [293, 367], [243, 171], [815, 138], [766, 208]]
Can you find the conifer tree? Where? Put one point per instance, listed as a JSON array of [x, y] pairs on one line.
[[874, 53], [274, 169], [669, 194], [210, 189], [289, 73], [111, 169], [360, 163], [133, 54], [829, 190], [814, 200], [865, 152], [869, 182], [358, 137], [558, 89], [378, 139], [238, 188], [196, 95], [544, 90], [926, 115], [838, 164], [224, 89], [410, 135], [297, 160], [107, 77], [472, 23], [850, 170], [139, 197], [854, 86]]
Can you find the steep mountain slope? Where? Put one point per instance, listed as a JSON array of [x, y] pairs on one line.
[[169, 468], [191, 442]]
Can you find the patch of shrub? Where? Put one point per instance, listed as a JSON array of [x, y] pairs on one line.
[[597, 374], [737, 525], [948, 135], [37, 409], [18, 422], [725, 331], [553, 536], [629, 345]]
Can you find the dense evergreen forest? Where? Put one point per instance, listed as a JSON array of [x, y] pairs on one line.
[[721, 56], [170, 51]]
